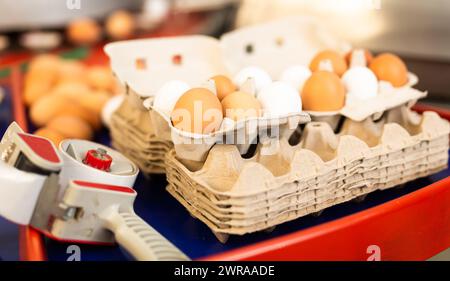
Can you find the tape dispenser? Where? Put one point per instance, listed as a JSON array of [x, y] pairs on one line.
[[82, 193]]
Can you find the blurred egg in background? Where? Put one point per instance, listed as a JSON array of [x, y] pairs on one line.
[[120, 25]]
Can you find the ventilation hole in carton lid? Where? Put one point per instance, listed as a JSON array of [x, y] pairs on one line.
[[177, 59], [279, 41], [141, 63], [249, 49]]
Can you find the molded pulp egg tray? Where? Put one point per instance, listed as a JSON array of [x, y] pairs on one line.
[[233, 195], [238, 189]]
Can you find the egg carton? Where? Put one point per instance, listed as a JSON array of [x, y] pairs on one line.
[[132, 134], [233, 195], [142, 72], [250, 213], [246, 209], [141, 67], [295, 41]]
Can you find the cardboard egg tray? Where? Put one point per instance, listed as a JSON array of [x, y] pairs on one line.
[[233, 195], [242, 134], [132, 134]]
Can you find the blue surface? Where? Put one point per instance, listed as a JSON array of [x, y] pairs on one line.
[[9, 244]]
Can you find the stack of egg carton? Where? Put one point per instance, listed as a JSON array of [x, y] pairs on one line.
[[233, 195], [133, 135], [141, 68], [366, 146]]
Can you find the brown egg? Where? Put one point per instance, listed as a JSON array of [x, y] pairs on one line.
[[224, 86], [51, 135], [36, 85], [71, 70], [101, 78], [71, 89], [49, 107], [42, 74], [239, 105], [120, 25], [389, 67], [338, 62], [197, 111], [367, 54], [84, 32], [323, 91], [94, 101], [71, 127], [45, 62]]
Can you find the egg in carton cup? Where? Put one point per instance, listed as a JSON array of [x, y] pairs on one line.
[[142, 67], [193, 148], [362, 101], [233, 195]]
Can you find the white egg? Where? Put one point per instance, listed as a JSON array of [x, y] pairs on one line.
[[108, 109], [168, 95], [280, 98], [260, 77], [296, 76], [360, 82]]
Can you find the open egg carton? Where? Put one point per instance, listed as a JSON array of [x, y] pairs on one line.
[[286, 179], [267, 179], [141, 68], [367, 145], [282, 45]]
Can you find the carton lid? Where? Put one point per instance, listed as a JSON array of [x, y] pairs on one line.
[[146, 64], [278, 44]]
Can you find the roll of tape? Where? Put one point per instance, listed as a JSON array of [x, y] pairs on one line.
[[122, 172]]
